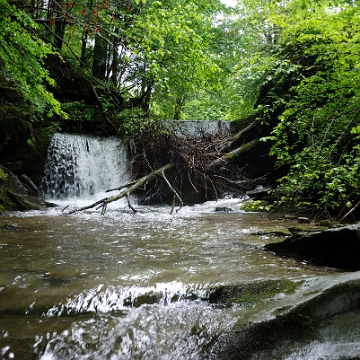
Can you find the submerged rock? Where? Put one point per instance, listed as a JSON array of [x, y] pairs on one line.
[[303, 220], [338, 248], [223, 209]]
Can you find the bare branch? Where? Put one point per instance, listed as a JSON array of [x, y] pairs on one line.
[[104, 202]]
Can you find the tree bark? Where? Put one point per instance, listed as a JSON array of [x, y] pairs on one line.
[[100, 57], [232, 154], [231, 142], [350, 212]]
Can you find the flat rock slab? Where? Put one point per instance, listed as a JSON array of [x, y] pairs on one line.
[[319, 320], [338, 248]]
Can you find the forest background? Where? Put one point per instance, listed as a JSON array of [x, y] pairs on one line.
[[119, 67]]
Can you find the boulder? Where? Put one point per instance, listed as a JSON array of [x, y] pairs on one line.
[[338, 247], [317, 319], [15, 195]]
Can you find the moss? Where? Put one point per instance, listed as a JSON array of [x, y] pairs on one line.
[[284, 207], [273, 231], [325, 223], [43, 135], [3, 176], [256, 205], [14, 196], [252, 293], [306, 228], [293, 325]]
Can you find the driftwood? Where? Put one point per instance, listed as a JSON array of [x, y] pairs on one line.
[[242, 185], [239, 136], [122, 186], [232, 154], [126, 193], [350, 212], [204, 164]]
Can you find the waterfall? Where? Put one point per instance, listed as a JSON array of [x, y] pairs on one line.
[[79, 166], [198, 128]]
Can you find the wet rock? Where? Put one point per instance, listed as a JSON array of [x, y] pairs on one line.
[[260, 193], [303, 220], [290, 217], [325, 223], [301, 229], [249, 294], [296, 327], [30, 186], [223, 209], [26, 202], [14, 195], [338, 248], [10, 226], [272, 231]]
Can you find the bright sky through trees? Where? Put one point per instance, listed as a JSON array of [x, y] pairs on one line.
[[229, 2]]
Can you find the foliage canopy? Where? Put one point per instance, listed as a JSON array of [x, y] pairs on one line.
[[310, 97], [22, 55]]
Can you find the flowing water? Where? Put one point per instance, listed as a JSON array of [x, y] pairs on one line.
[[123, 285]]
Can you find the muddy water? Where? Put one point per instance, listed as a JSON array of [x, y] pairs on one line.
[[124, 285]]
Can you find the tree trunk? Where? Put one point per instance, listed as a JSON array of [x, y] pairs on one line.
[[232, 154], [84, 38], [60, 32], [179, 106], [99, 58], [239, 136]]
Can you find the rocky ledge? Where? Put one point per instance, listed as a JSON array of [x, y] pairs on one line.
[[18, 193], [338, 247], [318, 319]]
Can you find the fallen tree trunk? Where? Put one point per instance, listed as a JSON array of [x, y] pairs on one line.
[[200, 165], [232, 154], [237, 137], [242, 185], [134, 185]]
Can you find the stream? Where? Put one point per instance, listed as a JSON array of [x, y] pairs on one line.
[[124, 285]]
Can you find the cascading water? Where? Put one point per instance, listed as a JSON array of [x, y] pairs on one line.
[[81, 166]]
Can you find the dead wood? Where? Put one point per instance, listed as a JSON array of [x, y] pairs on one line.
[[122, 186], [232, 154], [198, 167], [135, 185], [239, 136], [350, 212]]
